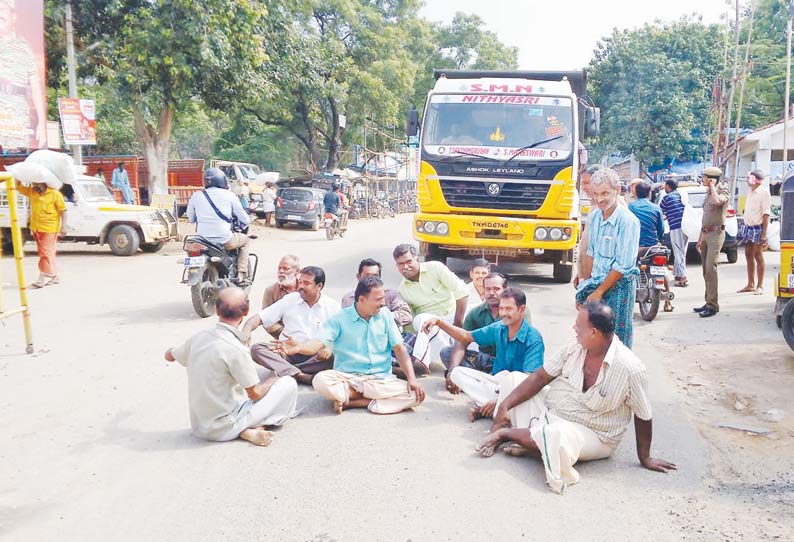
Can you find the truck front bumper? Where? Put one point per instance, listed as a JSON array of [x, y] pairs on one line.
[[495, 234]]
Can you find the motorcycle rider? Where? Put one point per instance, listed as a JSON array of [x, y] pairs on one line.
[[333, 205], [215, 211]]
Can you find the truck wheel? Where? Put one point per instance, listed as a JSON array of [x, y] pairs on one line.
[[733, 254], [152, 247], [432, 253], [123, 240], [788, 324], [563, 272]]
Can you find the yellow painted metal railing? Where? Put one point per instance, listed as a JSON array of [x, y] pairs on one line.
[[16, 237]]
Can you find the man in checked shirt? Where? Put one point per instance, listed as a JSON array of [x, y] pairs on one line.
[[578, 405]]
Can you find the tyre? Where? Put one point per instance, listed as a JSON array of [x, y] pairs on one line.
[[152, 247], [329, 233], [432, 254], [279, 223], [787, 321], [650, 307], [316, 224], [779, 321], [563, 273], [733, 254], [204, 300], [123, 240]]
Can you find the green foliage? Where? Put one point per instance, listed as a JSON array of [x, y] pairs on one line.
[[654, 86]]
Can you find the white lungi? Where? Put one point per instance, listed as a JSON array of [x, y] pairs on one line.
[[481, 387], [561, 443], [388, 395], [428, 346], [679, 241], [275, 408]]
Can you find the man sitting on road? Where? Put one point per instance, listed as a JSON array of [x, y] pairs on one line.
[[396, 304], [519, 347], [431, 290], [213, 211], [303, 314], [363, 337], [578, 405], [478, 269], [477, 356], [286, 282], [651, 227], [227, 399], [333, 204]]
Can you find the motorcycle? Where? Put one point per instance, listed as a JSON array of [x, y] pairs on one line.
[[650, 285], [209, 268], [333, 227]]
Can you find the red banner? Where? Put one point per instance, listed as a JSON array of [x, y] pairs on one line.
[[78, 121], [23, 106]]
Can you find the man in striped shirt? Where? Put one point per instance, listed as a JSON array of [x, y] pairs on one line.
[[673, 208], [578, 405]]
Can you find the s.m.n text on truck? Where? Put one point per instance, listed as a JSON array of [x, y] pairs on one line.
[[499, 166]]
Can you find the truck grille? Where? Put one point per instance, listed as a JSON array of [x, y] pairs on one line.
[[512, 196]]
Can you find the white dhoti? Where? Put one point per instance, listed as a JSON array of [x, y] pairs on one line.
[[481, 387], [388, 395], [428, 346], [561, 443], [275, 408]]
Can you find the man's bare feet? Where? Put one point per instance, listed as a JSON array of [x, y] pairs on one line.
[[475, 413], [747, 288], [488, 446], [515, 450], [339, 406], [258, 436]]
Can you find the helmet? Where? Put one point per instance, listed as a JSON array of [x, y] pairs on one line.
[[215, 177]]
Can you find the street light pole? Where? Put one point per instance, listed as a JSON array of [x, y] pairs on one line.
[[72, 72], [788, 84]]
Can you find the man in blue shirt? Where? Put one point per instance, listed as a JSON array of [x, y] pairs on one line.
[[651, 227], [363, 337], [519, 347], [333, 204], [121, 181], [610, 264], [673, 208]]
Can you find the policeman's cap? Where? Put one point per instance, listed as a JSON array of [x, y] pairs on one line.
[[712, 172]]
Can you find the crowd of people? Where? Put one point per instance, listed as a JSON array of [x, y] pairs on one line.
[[371, 349]]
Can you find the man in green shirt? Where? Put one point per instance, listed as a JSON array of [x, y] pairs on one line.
[[484, 314], [432, 291]]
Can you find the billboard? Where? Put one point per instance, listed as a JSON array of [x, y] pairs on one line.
[[78, 120], [23, 105]]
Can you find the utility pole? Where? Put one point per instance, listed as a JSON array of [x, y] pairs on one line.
[[72, 72], [788, 83]]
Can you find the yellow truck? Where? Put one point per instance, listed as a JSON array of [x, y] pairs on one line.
[[499, 166]]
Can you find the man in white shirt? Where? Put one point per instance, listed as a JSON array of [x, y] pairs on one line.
[[213, 211], [303, 313], [227, 394], [478, 270]]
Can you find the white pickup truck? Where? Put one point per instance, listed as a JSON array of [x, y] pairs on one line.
[[94, 217]]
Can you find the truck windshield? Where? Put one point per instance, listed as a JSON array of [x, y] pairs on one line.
[[95, 191], [499, 126], [250, 172]]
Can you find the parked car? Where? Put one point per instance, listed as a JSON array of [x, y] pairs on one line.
[[696, 195], [302, 206]]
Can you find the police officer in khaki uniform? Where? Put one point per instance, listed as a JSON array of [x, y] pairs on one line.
[[712, 235]]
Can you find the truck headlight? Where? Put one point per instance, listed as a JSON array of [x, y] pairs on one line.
[[430, 227], [541, 234], [555, 234], [442, 228]]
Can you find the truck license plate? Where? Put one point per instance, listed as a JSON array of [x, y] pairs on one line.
[[196, 261], [293, 217], [492, 252], [658, 270]]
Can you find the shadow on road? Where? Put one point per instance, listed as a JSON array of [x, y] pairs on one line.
[[175, 311]]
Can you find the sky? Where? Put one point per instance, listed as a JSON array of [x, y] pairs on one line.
[[562, 34]]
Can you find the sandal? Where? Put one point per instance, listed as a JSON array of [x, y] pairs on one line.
[[681, 283], [668, 307]]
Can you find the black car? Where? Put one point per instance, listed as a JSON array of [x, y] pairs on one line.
[[302, 206]]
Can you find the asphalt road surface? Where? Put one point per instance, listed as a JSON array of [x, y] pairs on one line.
[[95, 442]]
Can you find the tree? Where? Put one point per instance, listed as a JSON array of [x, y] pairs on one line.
[[654, 86], [160, 55]]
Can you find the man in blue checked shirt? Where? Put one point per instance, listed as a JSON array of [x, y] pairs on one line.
[[519, 348], [610, 266]]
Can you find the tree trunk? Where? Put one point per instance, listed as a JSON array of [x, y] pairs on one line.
[[334, 137], [156, 145]]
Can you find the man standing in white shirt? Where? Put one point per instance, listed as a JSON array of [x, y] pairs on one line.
[[757, 209], [303, 313], [213, 211]]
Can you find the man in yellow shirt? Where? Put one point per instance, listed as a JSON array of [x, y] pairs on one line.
[[46, 224]]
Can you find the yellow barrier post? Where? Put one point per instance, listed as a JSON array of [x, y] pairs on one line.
[[16, 237]]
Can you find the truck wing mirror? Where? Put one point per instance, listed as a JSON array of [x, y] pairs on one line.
[[592, 121], [412, 123]]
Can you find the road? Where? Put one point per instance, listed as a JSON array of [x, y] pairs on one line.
[[94, 441]]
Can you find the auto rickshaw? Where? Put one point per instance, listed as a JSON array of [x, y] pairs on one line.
[[784, 286]]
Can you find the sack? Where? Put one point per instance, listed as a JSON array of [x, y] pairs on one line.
[[60, 164], [691, 222], [28, 173]]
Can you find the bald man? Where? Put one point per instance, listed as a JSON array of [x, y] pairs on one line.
[[229, 395]]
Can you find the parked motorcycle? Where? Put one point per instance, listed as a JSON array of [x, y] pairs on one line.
[[209, 268], [650, 285], [333, 226]]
